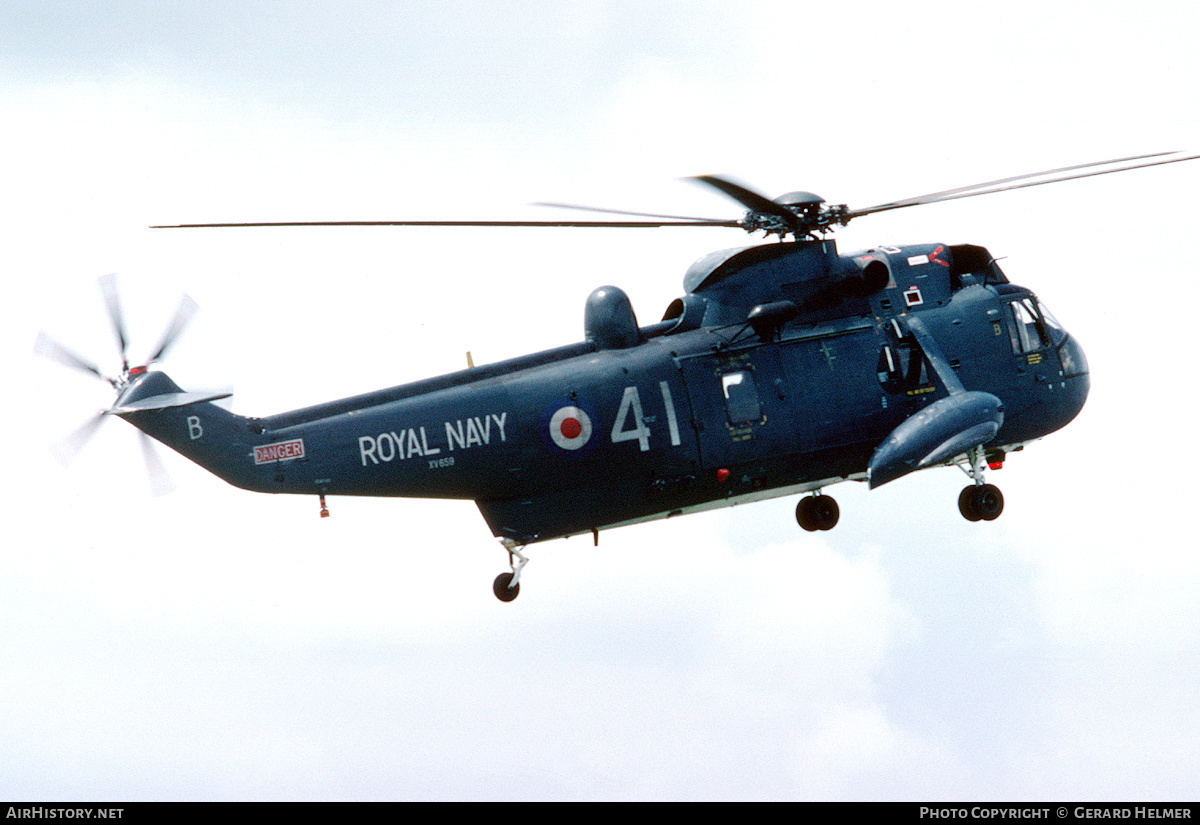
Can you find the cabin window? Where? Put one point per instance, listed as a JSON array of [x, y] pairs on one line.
[[741, 397], [902, 367], [916, 371], [888, 368]]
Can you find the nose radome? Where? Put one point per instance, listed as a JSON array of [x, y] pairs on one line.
[[1075, 371], [1074, 362]]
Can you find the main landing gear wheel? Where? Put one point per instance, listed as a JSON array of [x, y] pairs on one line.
[[817, 513], [981, 502]]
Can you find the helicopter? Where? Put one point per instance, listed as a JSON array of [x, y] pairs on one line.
[[785, 367]]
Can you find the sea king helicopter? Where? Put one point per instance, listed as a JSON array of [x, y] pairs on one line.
[[785, 368]]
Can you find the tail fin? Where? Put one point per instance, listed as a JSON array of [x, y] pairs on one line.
[[190, 424]]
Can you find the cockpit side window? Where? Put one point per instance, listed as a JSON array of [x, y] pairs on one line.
[[1026, 329]]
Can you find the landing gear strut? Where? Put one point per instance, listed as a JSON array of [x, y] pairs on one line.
[[980, 501], [817, 512], [507, 586]]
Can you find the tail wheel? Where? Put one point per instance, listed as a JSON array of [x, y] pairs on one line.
[[504, 589]]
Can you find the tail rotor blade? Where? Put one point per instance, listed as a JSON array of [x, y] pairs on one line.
[[183, 317], [160, 480], [66, 450], [47, 347], [108, 286]]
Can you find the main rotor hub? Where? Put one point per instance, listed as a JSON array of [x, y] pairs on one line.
[[799, 200], [803, 214]]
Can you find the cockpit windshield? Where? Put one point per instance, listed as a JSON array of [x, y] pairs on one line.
[[1053, 327]]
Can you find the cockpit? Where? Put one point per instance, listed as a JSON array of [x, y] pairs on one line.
[[1033, 328]]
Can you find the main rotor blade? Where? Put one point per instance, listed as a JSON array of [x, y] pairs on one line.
[[707, 221], [992, 187], [183, 316], [108, 286], [925, 198], [748, 198], [562, 223], [47, 347]]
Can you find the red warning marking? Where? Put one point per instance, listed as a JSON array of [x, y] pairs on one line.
[[282, 451]]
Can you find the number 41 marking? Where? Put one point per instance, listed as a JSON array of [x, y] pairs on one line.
[[631, 401]]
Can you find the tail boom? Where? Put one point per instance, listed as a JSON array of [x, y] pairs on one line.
[[330, 451], [191, 425]]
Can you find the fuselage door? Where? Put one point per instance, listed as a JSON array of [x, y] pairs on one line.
[[741, 406]]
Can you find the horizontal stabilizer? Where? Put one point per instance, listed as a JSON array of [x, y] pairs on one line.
[[946, 428], [167, 400]]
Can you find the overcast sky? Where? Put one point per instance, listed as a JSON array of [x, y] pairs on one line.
[[216, 644]]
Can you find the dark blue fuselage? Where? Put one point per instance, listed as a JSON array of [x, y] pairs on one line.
[[702, 410]]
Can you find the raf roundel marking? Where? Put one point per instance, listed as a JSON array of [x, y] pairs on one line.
[[570, 428]]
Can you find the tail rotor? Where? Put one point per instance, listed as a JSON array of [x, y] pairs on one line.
[[68, 448]]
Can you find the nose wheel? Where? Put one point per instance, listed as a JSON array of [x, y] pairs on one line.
[[817, 512]]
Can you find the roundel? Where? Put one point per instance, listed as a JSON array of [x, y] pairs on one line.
[[570, 428]]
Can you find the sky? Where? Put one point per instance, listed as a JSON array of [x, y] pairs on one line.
[[217, 644]]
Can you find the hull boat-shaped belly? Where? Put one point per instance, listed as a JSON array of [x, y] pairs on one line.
[[944, 429]]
